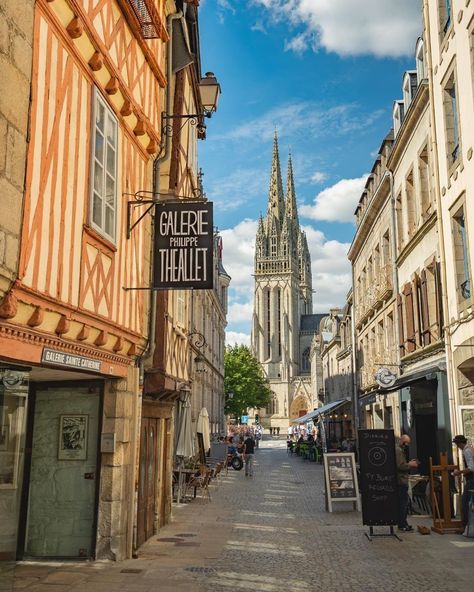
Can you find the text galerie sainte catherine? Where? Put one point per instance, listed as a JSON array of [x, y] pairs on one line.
[[183, 260]]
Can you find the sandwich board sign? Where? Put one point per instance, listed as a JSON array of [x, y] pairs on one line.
[[341, 479]]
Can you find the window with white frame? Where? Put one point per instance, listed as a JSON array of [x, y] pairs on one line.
[[398, 113], [451, 120], [461, 255], [103, 208], [445, 16], [420, 60]]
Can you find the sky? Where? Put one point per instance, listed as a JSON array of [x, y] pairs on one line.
[[324, 74]]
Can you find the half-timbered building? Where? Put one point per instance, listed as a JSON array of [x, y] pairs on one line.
[[72, 329]]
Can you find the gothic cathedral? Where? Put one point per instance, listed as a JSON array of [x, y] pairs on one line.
[[283, 321]]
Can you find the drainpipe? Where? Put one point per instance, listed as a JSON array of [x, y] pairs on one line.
[[163, 156], [450, 370], [355, 409], [150, 347]]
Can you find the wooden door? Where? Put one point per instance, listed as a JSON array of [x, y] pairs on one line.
[[147, 480], [63, 474]]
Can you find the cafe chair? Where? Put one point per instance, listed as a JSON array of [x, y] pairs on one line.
[[201, 481]]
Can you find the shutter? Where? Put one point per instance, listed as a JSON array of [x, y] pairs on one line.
[[439, 298], [410, 318], [425, 317], [401, 335]]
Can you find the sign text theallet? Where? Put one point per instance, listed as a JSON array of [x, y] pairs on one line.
[[183, 246]]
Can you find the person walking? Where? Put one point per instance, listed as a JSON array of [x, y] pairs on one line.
[[468, 473], [249, 451], [403, 470]]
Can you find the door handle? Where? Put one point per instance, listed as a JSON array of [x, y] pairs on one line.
[[89, 476]]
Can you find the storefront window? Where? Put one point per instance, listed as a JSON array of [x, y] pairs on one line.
[[13, 397]]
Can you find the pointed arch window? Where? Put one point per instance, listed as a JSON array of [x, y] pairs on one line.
[[305, 363], [273, 245]]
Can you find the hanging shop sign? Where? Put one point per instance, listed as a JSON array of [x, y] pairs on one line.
[[378, 477], [59, 358], [385, 378], [341, 478], [183, 254]]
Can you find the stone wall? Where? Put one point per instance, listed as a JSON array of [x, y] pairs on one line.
[[116, 498], [16, 34]]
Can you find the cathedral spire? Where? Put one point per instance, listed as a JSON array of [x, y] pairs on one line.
[[276, 204], [290, 205]]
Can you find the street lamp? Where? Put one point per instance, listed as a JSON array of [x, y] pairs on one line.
[[209, 92], [198, 340]]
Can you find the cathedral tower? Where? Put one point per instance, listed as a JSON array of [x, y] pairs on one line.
[[283, 297]]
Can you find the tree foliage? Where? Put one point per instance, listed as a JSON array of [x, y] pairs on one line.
[[245, 378]]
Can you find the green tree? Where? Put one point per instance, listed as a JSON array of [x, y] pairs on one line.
[[245, 383]]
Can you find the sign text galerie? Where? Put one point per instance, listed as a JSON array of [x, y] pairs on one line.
[[184, 246]]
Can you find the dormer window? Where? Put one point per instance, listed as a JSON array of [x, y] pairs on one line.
[[398, 115], [420, 60], [445, 16], [409, 88]]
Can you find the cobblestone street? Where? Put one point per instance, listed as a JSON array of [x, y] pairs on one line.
[[266, 533]]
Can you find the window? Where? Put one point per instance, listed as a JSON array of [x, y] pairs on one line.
[[445, 16], [423, 175], [410, 205], [305, 363], [273, 246], [399, 217], [398, 114], [386, 248], [461, 256], [420, 60], [451, 120], [268, 344], [409, 88], [180, 308], [279, 320], [104, 169]]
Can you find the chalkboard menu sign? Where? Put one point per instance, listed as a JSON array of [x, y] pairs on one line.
[[378, 477], [341, 478]]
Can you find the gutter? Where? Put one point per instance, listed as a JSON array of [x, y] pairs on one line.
[[159, 160]]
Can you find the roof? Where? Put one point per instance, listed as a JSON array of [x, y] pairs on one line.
[[311, 322]]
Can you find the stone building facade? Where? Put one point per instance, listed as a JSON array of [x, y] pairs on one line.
[[449, 34]]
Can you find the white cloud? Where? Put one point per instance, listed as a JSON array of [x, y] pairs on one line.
[[234, 337], [330, 268], [308, 118], [240, 312], [336, 203], [240, 186], [238, 257], [384, 28], [319, 177]]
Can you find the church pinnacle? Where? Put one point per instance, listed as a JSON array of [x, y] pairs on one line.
[[276, 204], [290, 205]]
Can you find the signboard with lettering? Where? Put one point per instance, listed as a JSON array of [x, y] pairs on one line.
[[378, 477], [183, 253], [60, 358], [341, 478]]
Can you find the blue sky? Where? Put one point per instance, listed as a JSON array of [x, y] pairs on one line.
[[324, 73]]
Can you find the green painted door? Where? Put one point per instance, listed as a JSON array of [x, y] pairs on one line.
[[63, 475]]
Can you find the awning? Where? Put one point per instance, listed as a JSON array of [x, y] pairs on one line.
[[321, 411]]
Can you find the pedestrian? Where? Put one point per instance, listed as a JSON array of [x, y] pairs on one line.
[[249, 450], [403, 470], [258, 436], [278, 431], [468, 473]]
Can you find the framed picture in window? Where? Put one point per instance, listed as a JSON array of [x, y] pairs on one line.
[[73, 432]]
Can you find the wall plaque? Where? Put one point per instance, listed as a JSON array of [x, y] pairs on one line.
[[59, 358]]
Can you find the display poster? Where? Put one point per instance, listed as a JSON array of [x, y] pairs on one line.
[[378, 477], [341, 478], [184, 246]]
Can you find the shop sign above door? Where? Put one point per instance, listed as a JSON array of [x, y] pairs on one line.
[[385, 378], [59, 358], [183, 254]]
